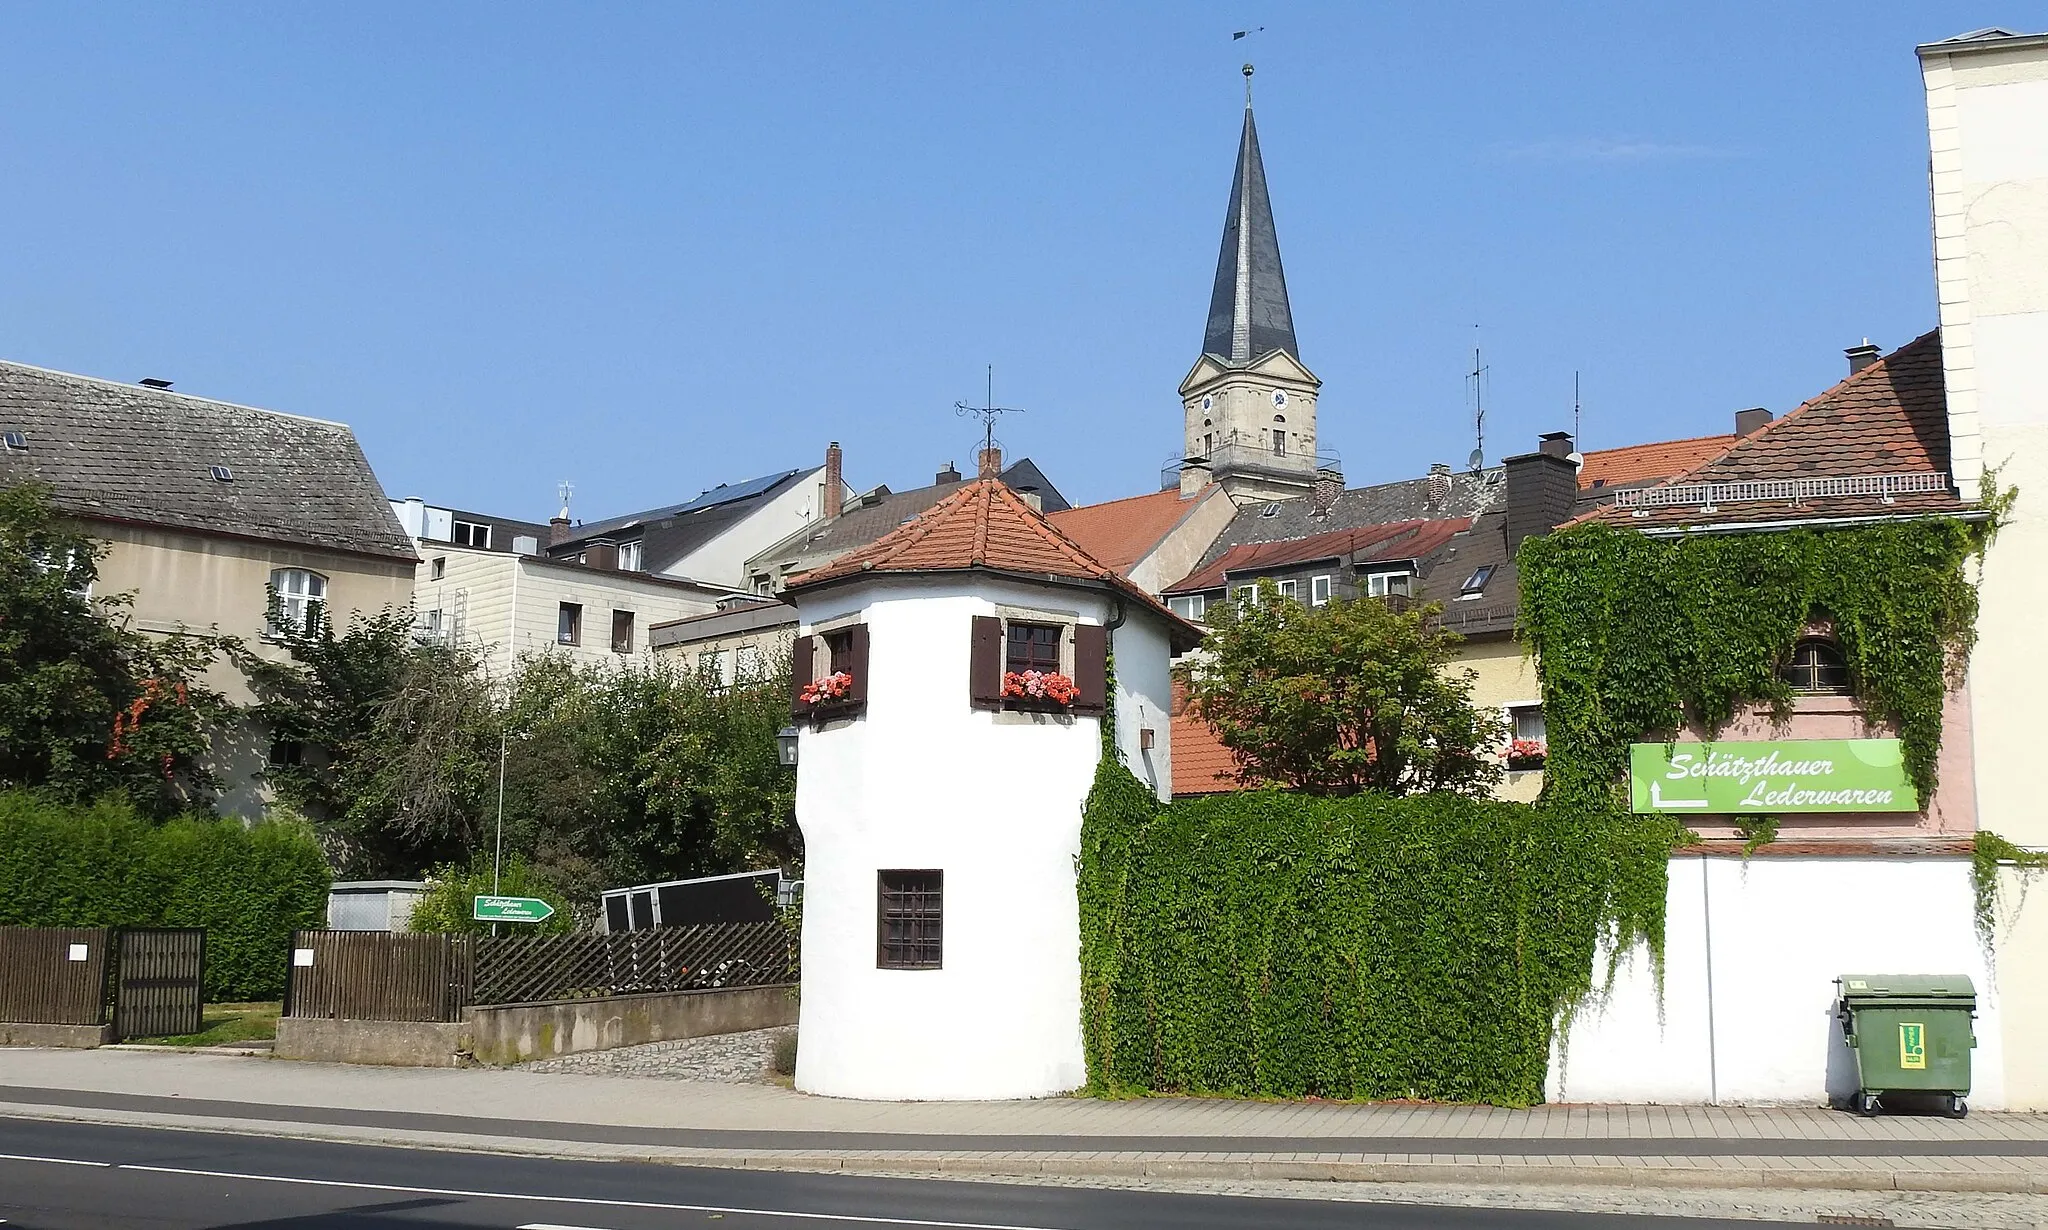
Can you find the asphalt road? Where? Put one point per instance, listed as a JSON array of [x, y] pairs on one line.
[[65, 1176]]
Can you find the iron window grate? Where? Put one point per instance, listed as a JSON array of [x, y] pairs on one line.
[[910, 911]]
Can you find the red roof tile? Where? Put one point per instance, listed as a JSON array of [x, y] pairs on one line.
[[986, 525], [1641, 463], [1891, 418], [1396, 540], [1122, 532]]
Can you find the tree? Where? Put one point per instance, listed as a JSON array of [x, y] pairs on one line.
[[1336, 699], [87, 703]]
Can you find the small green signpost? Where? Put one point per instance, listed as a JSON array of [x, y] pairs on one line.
[[1768, 778], [511, 909]]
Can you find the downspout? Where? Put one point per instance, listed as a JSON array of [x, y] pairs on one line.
[[1116, 620], [512, 619], [1707, 924]]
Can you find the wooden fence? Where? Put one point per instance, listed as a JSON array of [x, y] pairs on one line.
[[372, 976], [54, 975]]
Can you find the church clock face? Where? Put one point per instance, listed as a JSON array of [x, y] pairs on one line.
[[1279, 399], [1208, 404]]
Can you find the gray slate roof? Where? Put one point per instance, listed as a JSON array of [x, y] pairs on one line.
[[1471, 493], [127, 453], [1248, 311]]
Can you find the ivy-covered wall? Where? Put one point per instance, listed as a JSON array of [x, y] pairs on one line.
[[1270, 944]]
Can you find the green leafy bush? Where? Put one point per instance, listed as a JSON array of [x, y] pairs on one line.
[[1280, 945], [103, 865], [447, 904]]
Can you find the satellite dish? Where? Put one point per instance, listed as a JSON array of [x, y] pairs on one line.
[[1578, 460], [1476, 460]]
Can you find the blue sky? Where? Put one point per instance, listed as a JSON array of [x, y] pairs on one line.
[[652, 248]]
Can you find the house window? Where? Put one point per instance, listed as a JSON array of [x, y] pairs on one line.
[[629, 556], [1190, 607], [909, 919], [1380, 584], [839, 651], [472, 534], [1289, 589], [569, 624], [1032, 647], [287, 754], [711, 667], [1475, 583], [622, 632], [1318, 591], [299, 594], [1279, 441], [440, 567], [1526, 722], [746, 664], [433, 624], [1208, 443], [1817, 666], [1247, 594]]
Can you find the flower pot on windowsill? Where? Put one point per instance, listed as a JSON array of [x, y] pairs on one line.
[[1525, 764], [1039, 692], [830, 697]]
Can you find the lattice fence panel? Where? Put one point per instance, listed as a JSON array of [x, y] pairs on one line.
[[525, 970]]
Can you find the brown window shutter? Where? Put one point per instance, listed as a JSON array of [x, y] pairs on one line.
[[857, 695], [1091, 668], [801, 654], [985, 664]]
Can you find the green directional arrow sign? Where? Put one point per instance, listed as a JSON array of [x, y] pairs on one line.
[[511, 909]]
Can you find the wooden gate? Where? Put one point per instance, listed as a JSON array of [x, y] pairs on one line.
[[158, 991]]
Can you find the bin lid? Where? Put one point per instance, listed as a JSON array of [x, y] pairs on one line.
[[1892, 988]]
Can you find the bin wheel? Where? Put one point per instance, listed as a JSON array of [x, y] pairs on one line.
[[1957, 1107], [1866, 1104]]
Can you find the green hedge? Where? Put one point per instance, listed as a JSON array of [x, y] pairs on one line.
[[1278, 945], [105, 866]]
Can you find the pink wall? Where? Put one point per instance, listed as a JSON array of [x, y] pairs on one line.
[[1951, 812]]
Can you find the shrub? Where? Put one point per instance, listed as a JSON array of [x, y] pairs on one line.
[[1272, 944], [103, 865], [785, 1053], [452, 890]]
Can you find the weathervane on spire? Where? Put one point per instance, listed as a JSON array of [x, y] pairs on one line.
[[1247, 87], [988, 412]]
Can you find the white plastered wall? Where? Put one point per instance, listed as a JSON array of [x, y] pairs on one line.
[[923, 781], [1751, 952], [1987, 120]]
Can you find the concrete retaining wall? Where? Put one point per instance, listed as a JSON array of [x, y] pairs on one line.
[[19, 1034], [516, 1033]]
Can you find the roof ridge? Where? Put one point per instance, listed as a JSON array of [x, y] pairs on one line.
[[147, 391], [1042, 524], [1625, 448]]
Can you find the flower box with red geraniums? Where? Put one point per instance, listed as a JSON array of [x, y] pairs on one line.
[[823, 695], [1526, 754], [1039, 689]]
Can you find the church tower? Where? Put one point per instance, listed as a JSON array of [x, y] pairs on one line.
[[1250, 403]]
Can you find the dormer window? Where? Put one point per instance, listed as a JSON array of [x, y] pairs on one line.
[[1395, 582], [472, 534], [629, 556], [1816, 667]]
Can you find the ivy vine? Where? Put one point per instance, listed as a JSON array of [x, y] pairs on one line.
[[1989, 853]]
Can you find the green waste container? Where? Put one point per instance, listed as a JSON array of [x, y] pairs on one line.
[[1910, 1033]]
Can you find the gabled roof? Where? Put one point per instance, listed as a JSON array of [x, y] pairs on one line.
[[1400, 540], [1248, 311], [860, 525], [1462, 494], [749, 494], [1642, 463], [1888, 420], [1120, 533], [128, 453], [985, 525]]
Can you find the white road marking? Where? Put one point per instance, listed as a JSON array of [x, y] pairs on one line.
[[54, 1161], [656, 1205]]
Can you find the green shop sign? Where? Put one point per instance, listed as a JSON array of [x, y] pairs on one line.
[[1794, 775]]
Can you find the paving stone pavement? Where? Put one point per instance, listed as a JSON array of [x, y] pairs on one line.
[[727, 1059]]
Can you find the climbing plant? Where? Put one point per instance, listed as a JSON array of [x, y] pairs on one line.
[[1638, 637], [1282, 945]]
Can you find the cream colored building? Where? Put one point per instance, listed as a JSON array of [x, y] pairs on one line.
[[1987, 125], [745, 640], [205, 507]]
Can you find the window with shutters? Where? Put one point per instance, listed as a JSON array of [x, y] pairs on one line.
[[909, 919], [829, 673], [1029, 663]]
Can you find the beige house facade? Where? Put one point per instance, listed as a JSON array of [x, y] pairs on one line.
[[745, 640]]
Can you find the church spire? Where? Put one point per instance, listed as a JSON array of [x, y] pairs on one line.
[[1248, 311]]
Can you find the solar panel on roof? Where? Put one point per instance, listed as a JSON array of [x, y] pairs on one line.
[[726, 493]]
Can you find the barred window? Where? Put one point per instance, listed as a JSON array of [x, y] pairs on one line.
[[908, 919], [1816, 665]]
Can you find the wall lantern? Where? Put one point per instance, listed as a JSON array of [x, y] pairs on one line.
[[785, 746]]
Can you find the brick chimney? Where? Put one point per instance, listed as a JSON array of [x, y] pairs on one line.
[[1542, 488], [1323, 497], [989, 461], [558, 528], [951, 474], [1439, 493], [1862, 356], [1555, 443], [1749, 422], [835, 487]]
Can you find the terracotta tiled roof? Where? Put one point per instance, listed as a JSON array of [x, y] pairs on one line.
[[1642, 463], [1201, 764], [1891, 418], [986, 525], [1399, 540], [1122, 532]]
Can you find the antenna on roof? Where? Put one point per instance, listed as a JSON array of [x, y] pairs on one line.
[[988, 412], [1477, 379], [564, 490]]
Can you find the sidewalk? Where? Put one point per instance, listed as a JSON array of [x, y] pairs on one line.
[[765, 1127]]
